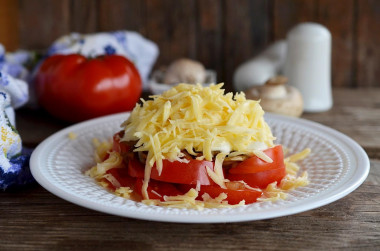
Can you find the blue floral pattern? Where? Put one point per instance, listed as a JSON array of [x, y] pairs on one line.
[[141, 51], [14, 166], [13, 75], [109, 50], [3, 79]]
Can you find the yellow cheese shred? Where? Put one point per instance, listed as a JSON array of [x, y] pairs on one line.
[[189, 201], [72, 135], [124, 192]]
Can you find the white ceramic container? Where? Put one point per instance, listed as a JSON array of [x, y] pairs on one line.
[[308, 65]]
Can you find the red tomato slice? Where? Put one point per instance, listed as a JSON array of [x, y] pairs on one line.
[[156, 189], [233, 196], [176, 172], [260, 179], [117, 146], [136, 168], [255, 164], [184, 173], [121, 175]]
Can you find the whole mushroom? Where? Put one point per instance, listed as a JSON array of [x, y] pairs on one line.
[[185, 70], [277, 97]]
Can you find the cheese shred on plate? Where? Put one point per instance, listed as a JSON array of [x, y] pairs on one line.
[[209, 125]]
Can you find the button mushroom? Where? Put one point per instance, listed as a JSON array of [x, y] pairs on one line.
[[185, 71], [277, 97]]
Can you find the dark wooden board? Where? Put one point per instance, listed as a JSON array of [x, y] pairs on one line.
[[342, 32], [368, 43], [121, 15], [42, 22], [356, 113], [246, 33], [210, 36], [221, 34], [84, 16], [171, 24], [9, 24], [288, 13], [34, 219]]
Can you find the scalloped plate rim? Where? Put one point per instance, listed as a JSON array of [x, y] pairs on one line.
[[37, 165]]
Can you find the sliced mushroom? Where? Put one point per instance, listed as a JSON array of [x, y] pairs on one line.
[[185, 71], [277, 97]]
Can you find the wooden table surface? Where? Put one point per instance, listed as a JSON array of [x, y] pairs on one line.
[[33, 219]]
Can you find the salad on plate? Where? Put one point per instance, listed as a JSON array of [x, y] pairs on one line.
[[196, 147]]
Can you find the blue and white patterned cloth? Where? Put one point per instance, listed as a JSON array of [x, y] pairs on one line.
[[141, 51], [14, 166], [13, 76]]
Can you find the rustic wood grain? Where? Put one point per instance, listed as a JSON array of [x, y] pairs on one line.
[[171, 25], [243, 39], [356, 113], [342, 32], [221, 34], [368, 40], [42, 22], [288, 13], [374, 174], [35, 125], [36, 219], [210, 36], [83, 16], [122, 15], [9, 25]]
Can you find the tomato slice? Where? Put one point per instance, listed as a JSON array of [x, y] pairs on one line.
[[117, 146], [122, 176], [233, 196], [176, 172], [156, 189], [260, 179], [254, 164], [136, 168], [184, 173]]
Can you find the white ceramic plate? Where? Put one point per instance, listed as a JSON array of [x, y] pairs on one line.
[[336, 167]]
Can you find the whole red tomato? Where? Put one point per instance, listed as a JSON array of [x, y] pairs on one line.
[[75, 88]]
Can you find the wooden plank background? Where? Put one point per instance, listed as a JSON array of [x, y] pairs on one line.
[[220, 33]]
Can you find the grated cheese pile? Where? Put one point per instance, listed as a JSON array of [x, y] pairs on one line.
[[208, 124], [199, 120]]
